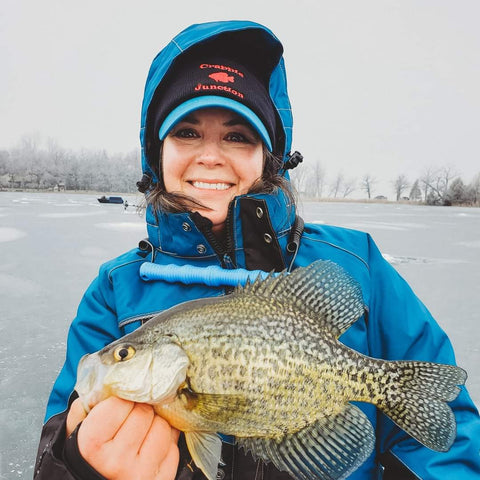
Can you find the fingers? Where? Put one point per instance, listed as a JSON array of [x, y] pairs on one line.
[[105, 420], [135, 428], [100, 427], [159, 451], [158, 439], [76, 414], [123, 440]]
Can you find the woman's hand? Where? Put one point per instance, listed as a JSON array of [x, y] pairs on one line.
[[125, 440]]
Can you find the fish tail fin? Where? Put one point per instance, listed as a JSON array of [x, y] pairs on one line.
[[416, 400]]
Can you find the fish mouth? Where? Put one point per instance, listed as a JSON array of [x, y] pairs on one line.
[[90, 386]]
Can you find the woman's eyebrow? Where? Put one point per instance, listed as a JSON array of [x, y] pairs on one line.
[[190, 119], [237, 121], [243, 122], [193, 119]]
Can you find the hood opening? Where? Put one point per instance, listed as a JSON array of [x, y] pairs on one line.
[[255, 47]]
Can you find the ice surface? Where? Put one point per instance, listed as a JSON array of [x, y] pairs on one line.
[[121, 226], [54, 243], [10, 234], [63, 215]]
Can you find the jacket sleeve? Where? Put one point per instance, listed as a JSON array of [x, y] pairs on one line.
[[94, 327], [50, 463], [401, 327]]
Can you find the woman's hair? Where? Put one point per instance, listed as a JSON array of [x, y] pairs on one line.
[[171, 202]]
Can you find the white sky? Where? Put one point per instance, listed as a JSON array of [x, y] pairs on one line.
[[377, 86]]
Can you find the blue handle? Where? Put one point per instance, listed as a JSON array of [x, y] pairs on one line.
[[213, 275]]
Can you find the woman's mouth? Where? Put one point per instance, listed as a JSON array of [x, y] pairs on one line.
[[211, 185]]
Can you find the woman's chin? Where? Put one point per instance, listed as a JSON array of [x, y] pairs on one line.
[[217, 217]]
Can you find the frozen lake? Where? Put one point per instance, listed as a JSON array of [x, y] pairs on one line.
[[53, 243]]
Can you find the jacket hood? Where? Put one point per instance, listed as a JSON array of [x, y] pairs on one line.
[[238, 37]]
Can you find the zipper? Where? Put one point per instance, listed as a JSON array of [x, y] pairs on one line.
[[219, 249], [229, 246], [225, 253]]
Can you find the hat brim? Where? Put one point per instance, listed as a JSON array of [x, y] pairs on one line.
[[211, 101]]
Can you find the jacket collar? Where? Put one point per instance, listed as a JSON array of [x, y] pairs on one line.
[[176, 233]]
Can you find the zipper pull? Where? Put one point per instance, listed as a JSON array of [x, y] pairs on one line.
[[227, 262]]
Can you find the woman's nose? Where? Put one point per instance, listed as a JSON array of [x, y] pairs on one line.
[[210, 154]]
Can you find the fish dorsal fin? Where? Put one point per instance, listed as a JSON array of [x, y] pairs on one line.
[[329, 449], [205, 449], [322, 290]]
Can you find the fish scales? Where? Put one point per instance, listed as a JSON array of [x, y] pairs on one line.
[[246, 342], [265, 364], [296, 340]]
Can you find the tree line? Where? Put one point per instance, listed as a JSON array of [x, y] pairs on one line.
[[47, 166], [435, 186], [33, 164]]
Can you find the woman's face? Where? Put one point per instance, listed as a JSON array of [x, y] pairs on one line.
[[212, 155]]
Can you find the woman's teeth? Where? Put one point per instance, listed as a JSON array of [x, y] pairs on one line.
[[211, 186]]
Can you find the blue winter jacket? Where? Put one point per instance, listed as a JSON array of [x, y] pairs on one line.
[[396, 324]]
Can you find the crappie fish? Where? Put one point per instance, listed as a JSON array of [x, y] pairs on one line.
[[264, 364]]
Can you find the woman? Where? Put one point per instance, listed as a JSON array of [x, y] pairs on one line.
[[216, 134]]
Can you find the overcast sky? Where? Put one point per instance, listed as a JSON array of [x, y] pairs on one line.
[[377, 86]]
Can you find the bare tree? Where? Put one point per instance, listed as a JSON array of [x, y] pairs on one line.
[[313, 180], [474, 190], [319, 179], [299, 178], [448, 173], [436, 183], [4, 162], [348, 187], [336, 186], [400, 184], [367, 183], [426, 180]]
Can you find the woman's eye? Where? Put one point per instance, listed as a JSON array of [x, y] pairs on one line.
[[185, 133], [238, 137]]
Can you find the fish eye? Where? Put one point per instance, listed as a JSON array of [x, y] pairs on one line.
[[123, 352]]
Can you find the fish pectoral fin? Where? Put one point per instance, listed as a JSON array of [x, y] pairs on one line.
[[214, 406], [205, 449], [331, 448]]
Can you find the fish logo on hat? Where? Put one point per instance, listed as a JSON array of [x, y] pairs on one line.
[[225, 75], [222, 77]]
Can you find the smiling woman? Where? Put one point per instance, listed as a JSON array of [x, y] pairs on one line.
[[216, 135], [215, 143], [175, 200], [212, 156]]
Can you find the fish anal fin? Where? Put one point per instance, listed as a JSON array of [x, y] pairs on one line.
[[205, 449], [331, 448]]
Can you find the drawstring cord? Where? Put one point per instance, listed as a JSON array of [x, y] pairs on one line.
[[213, 276]]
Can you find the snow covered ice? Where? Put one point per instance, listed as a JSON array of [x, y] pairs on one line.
[[53, 244]]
